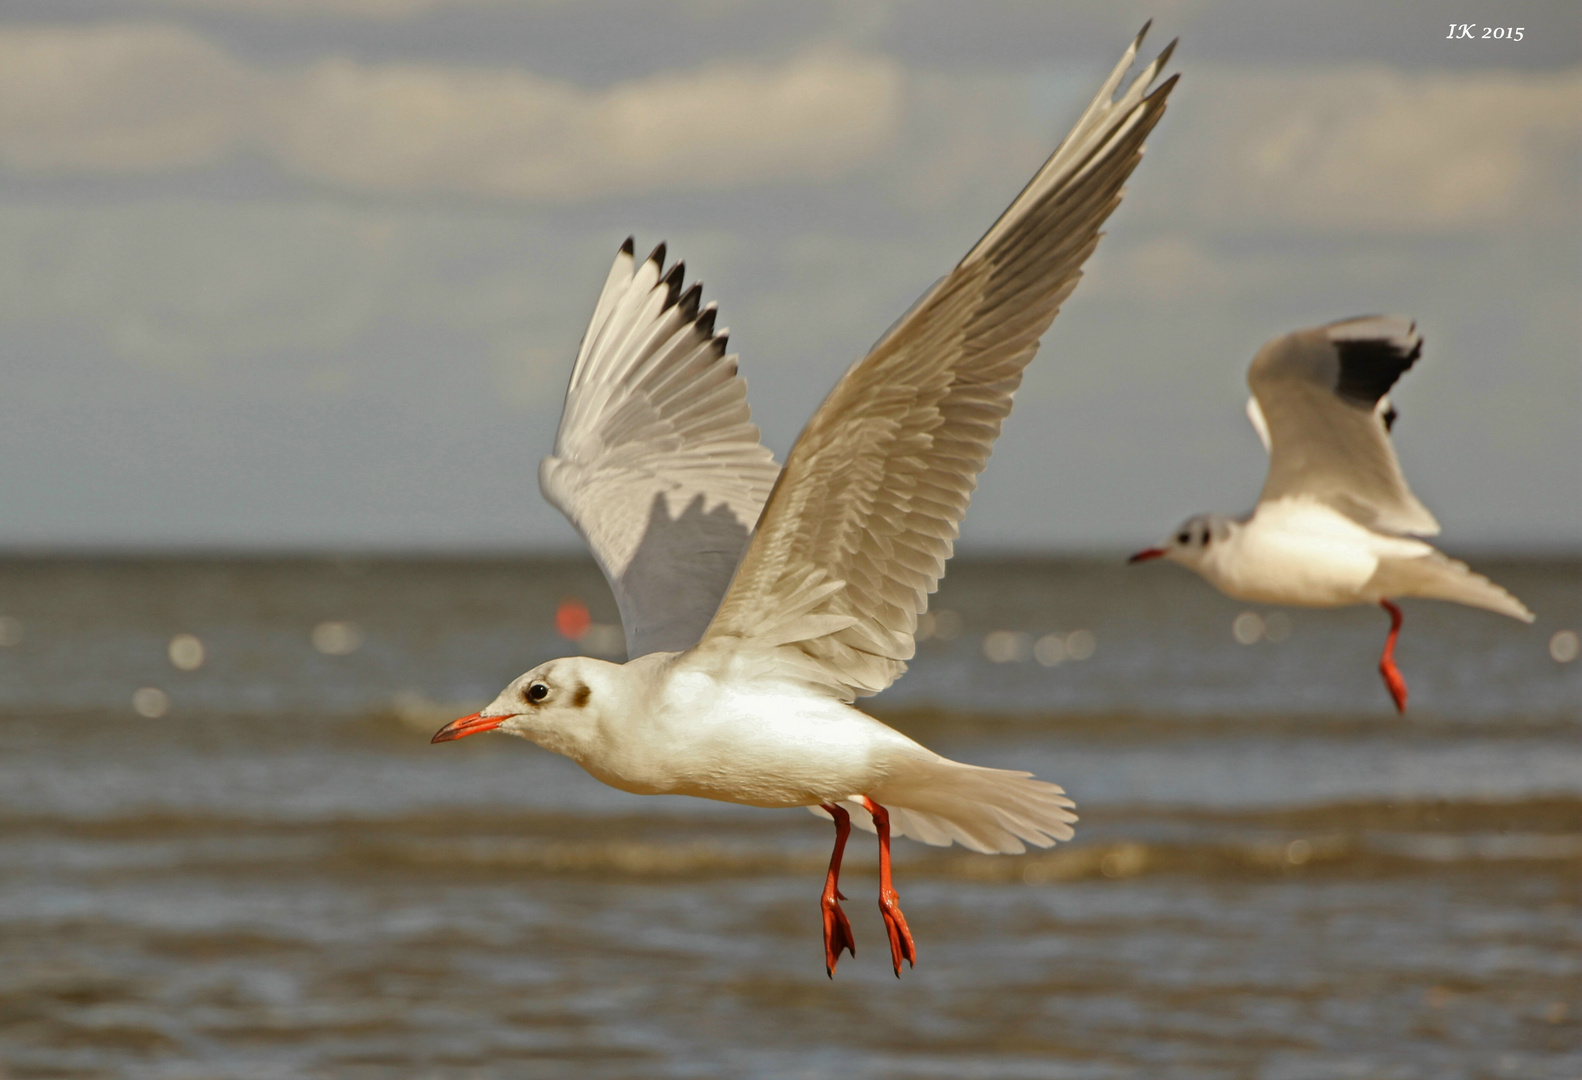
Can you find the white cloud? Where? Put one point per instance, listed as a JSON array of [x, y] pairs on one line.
[[144, 98], [514, 135], [340, 9], [334, 8], [124, 98], [1377, 149], [391, 10], [1354, 149]]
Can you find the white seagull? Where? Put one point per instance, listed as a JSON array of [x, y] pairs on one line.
[[1336, 523], [749, 642]]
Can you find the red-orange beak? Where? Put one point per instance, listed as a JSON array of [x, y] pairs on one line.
[[1148, 553], [467, 725]]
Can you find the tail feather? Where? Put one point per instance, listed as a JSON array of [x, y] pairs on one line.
[[1438, 577], [995, 811]]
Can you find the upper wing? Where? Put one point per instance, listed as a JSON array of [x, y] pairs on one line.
[[860, 524], [657, 462], [1326, 419]]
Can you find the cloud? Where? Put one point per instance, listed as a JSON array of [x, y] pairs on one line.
[[118, 99], [1298, 151], [348, 9], [511, 134], [1374, 149], [368, 9], [122, 99]]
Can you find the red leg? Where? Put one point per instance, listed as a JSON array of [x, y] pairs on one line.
[[901, 945], [837, 931], [1387, 668]]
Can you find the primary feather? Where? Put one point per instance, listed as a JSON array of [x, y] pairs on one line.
[[857, 531]]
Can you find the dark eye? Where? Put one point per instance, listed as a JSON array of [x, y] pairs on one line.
[[1205, 539], [1183, 538], [537, 692]]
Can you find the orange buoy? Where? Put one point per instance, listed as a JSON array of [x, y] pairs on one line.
[[572, 619]]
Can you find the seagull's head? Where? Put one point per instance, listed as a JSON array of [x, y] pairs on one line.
[[557, 705], [1192, 542]]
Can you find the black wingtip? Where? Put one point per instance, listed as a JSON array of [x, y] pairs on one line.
[[630, 246], [672, 284], [657, 257], [1144, 31], [690, 301], [1370, 366], [705, 322], [721, 341]]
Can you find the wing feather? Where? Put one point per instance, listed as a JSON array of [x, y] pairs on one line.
[[1320, 394], [858, 528], [657, 462]]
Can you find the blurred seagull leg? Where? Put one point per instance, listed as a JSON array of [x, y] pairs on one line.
[[901, 944], [837, 931], [1387, 668]]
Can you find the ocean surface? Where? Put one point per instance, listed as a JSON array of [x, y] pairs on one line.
[[227, 848]]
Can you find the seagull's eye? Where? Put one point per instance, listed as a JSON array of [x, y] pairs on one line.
[[537, 691], [1183, 538]]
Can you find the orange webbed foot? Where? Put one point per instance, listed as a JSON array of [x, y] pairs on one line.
[[837, 930], [902, 947], [837, 933]]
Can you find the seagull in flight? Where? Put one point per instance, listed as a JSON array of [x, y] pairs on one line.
[[759, 603], [1336, 523]]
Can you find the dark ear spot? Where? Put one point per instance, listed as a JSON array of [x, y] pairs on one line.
[[580, 698]]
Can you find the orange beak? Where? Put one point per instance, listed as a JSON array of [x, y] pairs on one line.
[[467, 725], [1148, 553]]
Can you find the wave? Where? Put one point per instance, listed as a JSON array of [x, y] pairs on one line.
[[1353, 839], [1074, 862]]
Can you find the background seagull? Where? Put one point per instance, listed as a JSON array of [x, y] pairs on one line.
[[746, 656], [1335, 522]]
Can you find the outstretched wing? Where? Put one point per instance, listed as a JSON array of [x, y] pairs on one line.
[[1321, 397], [859, 526], [657, 462]]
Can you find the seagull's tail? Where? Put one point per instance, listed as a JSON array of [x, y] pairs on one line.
[[996, 811], [1437, 577]]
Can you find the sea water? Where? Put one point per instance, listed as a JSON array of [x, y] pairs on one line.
[[245, 860]]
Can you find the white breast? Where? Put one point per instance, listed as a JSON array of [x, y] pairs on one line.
[[768, 744], [1303, 553]]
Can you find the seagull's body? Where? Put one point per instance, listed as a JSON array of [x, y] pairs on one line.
[[1302, 552], [1336, 524], [712, 727], [759, 603]]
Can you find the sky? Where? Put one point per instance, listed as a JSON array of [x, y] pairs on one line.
[[310, 274]]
